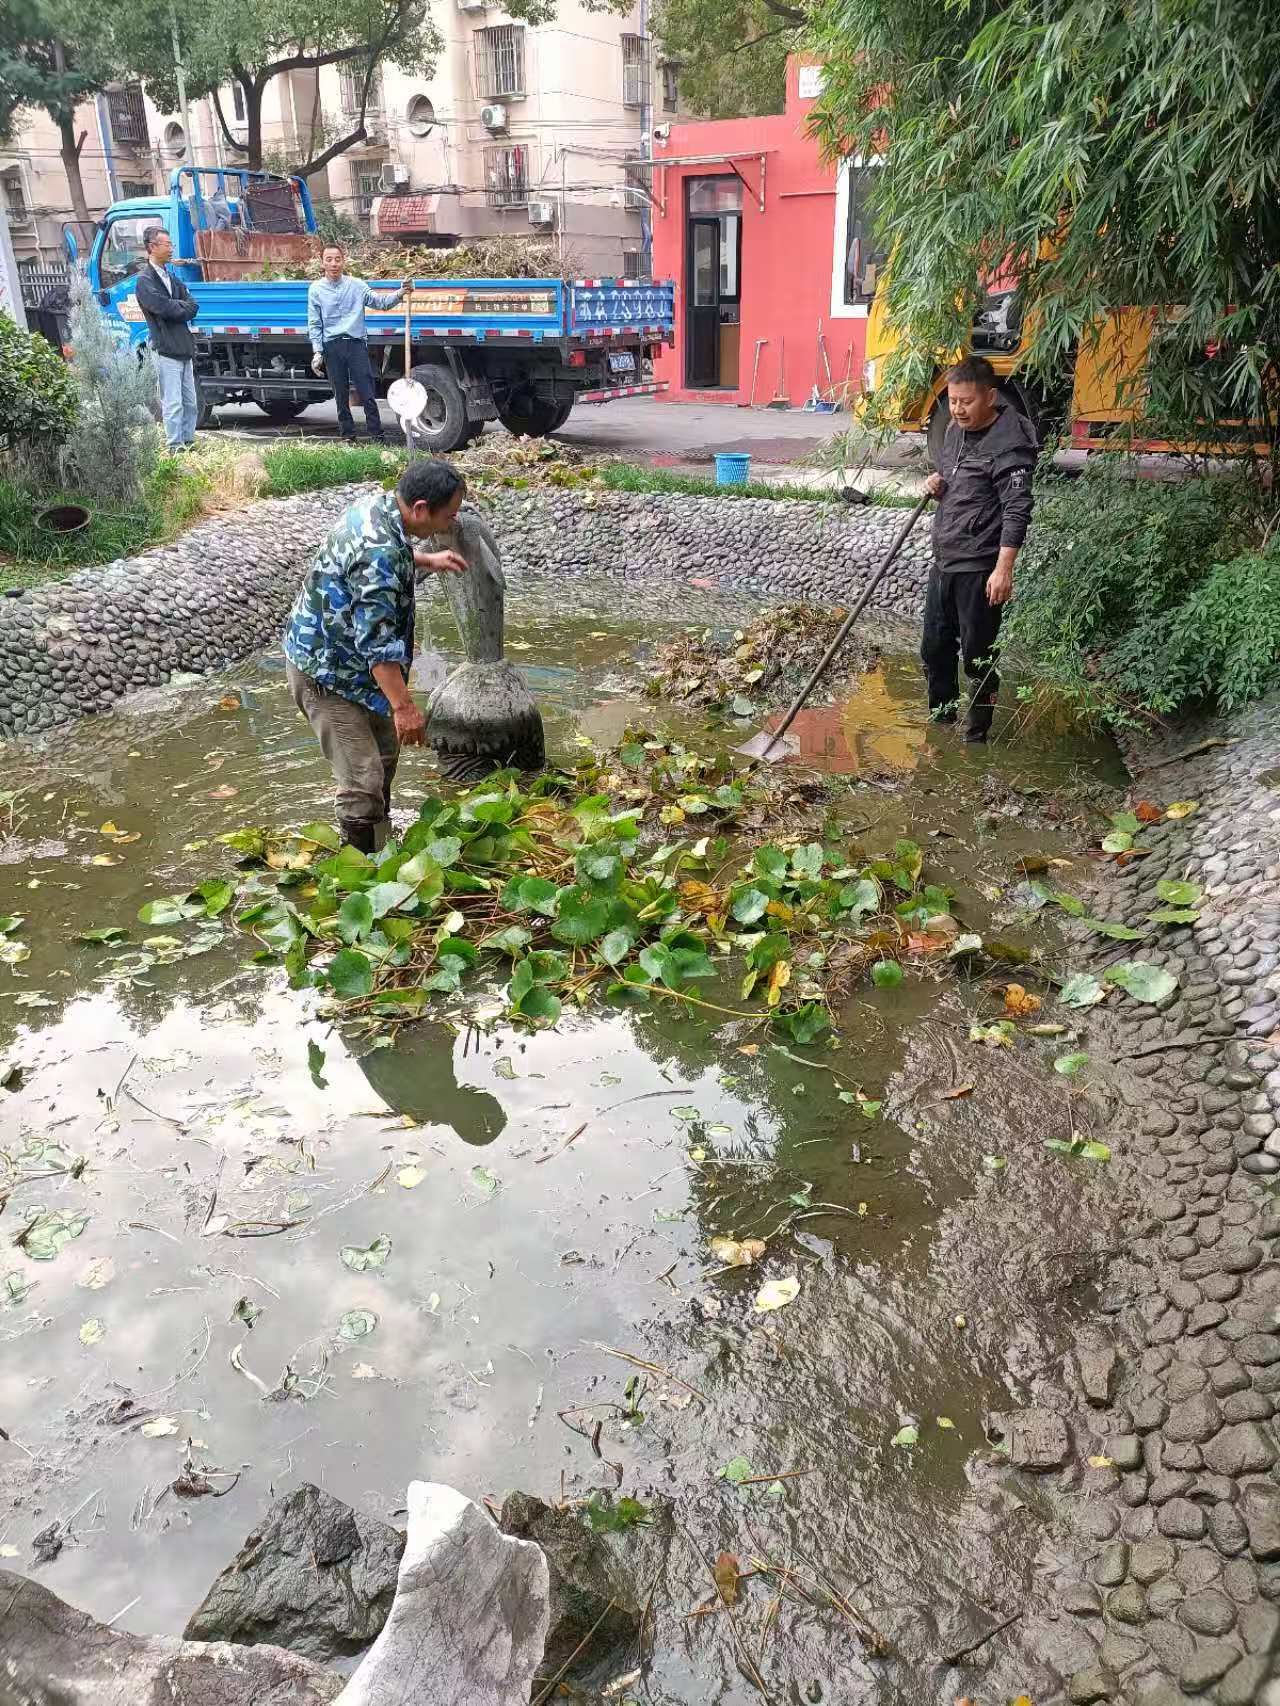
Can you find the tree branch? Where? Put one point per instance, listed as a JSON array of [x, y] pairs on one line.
[[225, 128], [782, 30], [793, 14], [359, 134], [312, 61]]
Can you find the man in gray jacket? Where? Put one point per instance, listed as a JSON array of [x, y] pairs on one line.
[[983, 489], [169, 308]]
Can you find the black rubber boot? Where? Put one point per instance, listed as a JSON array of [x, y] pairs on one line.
[[358, 833]]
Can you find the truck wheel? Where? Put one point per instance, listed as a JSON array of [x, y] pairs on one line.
[[1043, 412], [443, 425], [531, 418], [281, 409]]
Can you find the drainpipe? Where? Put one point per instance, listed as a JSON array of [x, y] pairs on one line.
[[646, 134], [182, 85], [104, 136]]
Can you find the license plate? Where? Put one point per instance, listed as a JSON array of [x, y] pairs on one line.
[[625, 363]]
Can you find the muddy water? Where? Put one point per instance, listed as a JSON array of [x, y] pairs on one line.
[[213, 1107]]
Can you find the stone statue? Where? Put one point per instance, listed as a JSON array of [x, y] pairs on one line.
[[482, 717]]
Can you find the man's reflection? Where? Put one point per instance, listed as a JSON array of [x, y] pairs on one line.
[[416, 1077]]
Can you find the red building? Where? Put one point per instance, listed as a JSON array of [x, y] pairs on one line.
[[770, 246]]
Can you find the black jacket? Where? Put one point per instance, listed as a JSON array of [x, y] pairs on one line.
[[167, 315], [987, 502]]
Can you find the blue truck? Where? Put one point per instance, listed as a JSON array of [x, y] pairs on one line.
[[519, 350]]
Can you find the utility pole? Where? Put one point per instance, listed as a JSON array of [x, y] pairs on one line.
[[182, 83], [10, 288]]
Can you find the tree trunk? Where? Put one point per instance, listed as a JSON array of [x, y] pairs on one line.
[[70, 151], [253, 92]]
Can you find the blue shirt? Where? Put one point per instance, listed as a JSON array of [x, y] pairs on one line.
[[337, 310], [356, 606]]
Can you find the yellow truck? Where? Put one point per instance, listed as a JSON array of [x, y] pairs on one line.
[[1108, 391]]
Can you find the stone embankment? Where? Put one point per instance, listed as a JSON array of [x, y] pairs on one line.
[[220, 592]]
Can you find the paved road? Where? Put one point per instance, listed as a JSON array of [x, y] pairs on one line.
[[639, 428]]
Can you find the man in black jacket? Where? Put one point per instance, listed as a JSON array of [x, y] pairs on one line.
[[983, 488], [169, 307]]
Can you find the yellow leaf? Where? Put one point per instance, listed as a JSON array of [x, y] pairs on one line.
[[749, 1048], [945, 1422], [862, 1209], [1182, 808], [229, 702], [780, 909], [123, 840], [697, 1155], [726, 1575], [109, 829], [410, 1176], [1101, 1463], [779, 978], [1016, 1000], [737, 1254], [104, 859], [776, 1294]]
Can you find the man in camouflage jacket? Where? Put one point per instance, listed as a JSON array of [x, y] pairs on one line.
[[348, 643]]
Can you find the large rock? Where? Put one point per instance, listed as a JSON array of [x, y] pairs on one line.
[[469, 1623], [1034, 1439], [314, 1576], [589, 1586], [53, 1655]]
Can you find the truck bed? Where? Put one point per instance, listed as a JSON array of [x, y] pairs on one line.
[[465, 311]]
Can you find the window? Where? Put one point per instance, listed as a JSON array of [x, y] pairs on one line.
[[123, 252], [368, 186], [730, 240], [351, 87], [175, 140], [506, 176], [131, 187], [635, 71], [500, 61], [237, 101], [670, 88], [15, 197], [632, 264], [864, 257], [421, 115], [128, 116]]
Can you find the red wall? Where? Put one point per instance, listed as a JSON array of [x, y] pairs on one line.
[[786, 253]]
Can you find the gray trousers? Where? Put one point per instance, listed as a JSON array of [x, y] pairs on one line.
[[362, 747]]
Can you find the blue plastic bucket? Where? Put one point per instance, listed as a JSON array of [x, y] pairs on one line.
[[732, 468]]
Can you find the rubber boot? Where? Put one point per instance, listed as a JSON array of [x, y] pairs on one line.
[[358, 833]]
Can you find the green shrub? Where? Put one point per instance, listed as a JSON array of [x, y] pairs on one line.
[[1136, 595], [115, 441], [37, 398]]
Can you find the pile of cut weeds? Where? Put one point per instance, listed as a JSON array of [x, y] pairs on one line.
[[763, 664]]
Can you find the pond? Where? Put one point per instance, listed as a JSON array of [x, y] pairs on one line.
[[548, 1200]]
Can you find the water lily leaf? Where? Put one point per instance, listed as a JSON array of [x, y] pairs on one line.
[[906, 1437], [615, 1516], [1068, 903], [1119, 841], [861, 896], [777, 1294], [49, 1231], [160, 1427], [355, 918], [968, 942], [357, 1323], [502, 1068], [244, 1310], [997, 1035], [1030, 896], [615, 946], [804, 1024], [750, 905], [994, 1163], [540, 1006], [9, 923], [92, 1331], [1116, 931], [1081, 990], [411, 1177], [886, 974], [14, 1287], [103, 933], [1175, 915], [580, 918], [1126, 822], [485, 1180], [350, 974], [315, 1063], [13, 952], [736, 1470], [1176, 893], [1142, 980], [1069, 1064], [358, 1258]]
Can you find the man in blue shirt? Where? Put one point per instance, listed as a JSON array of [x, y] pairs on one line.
[[348, 643], [340, 341]]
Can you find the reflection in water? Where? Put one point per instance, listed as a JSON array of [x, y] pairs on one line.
[[615, 1148], [417, 1078]]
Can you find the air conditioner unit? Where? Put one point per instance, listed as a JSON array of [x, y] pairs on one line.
[[542, 213], [493, 117], [393, 176], [472, 5]]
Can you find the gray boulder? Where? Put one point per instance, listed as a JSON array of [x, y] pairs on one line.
[[588, 1582], [314, 1576], [53, 1655], [469, 1623]]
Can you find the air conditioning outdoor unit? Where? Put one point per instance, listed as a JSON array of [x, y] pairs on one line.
[[494, 117], [542, 213], [472, 5], [393, 176]]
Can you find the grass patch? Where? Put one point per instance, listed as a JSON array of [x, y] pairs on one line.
[[172, 498], [296, 466], [627, 477]]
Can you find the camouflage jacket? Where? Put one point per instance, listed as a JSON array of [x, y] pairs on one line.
[[356, 606]]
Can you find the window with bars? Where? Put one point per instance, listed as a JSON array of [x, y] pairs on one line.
[[632, 263], [15, 197], [368, 186], [237, 100], [131, 187], [670, 88], [500, 62], [506, 176], [351, 87], [635, 71], [128, 116]]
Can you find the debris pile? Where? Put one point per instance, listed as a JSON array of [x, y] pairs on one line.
[[764, 663], [486, 257]]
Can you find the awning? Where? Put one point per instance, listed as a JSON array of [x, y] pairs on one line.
[[660, 163]]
